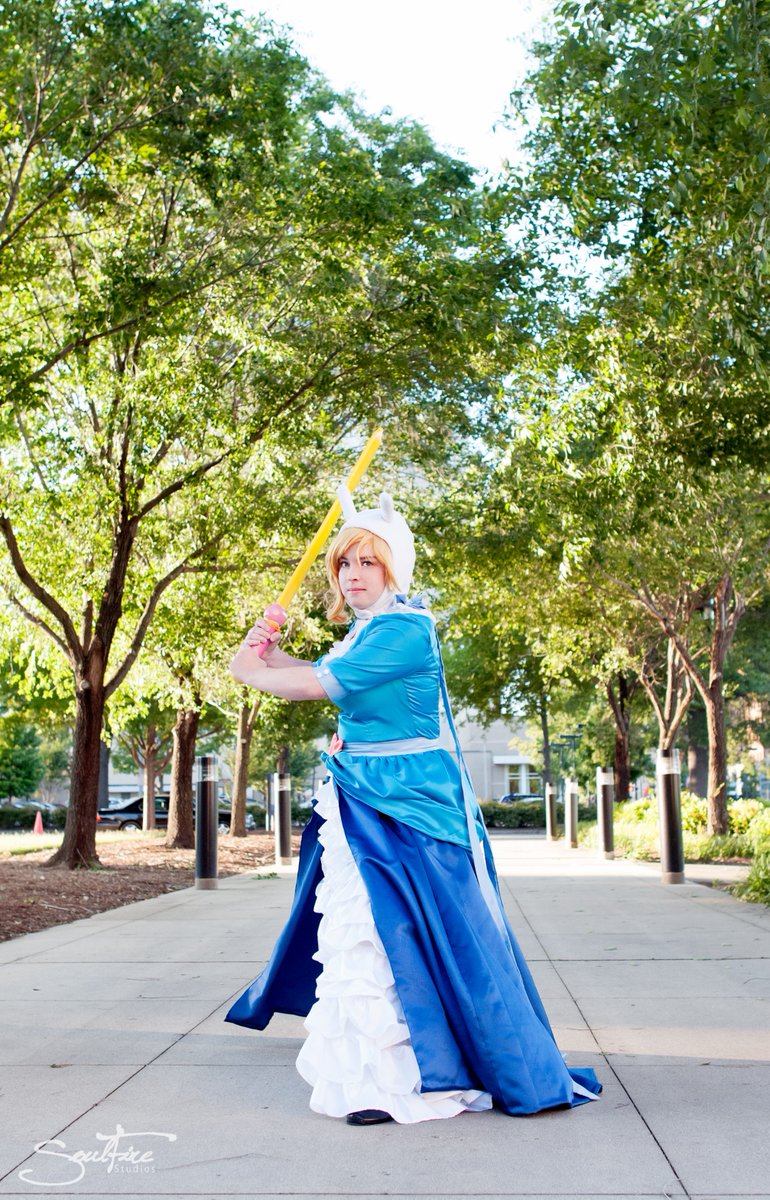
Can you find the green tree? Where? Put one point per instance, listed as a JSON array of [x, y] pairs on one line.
[[21, 765], [218, 268], [648, 135], [285, 738], [143, 722], [56, 756], [689, 557], [34, 694], [647, 139], [747, 686]]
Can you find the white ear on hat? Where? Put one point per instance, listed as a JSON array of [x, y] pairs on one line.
[[387, 524], [386, 506], [346, 503]]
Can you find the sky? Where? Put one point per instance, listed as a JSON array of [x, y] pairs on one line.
[[450, 64]]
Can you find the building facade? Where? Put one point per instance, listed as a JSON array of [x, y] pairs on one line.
[[496, 768]]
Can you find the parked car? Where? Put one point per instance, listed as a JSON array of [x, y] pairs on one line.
[[224, 821], [121, 794], [44, 805], [128, 815], [515, 797]]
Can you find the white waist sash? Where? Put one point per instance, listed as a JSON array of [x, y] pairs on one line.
[[415, 745]]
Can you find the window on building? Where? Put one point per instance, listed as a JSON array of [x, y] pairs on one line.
[[522, 781]]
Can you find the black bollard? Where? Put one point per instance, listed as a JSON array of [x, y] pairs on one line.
[[283, 821], [206, 823], [550, 812], [670, 817], [605, 811], [571, 812]]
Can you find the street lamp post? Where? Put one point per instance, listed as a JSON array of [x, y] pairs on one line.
[[567, 750]]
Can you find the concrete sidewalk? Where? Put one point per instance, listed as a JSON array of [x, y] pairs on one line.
[[112, 1028]]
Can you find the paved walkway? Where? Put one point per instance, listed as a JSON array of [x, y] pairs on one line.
[[112, 1027]]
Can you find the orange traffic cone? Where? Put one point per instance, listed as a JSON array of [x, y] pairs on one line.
[[38, 826]]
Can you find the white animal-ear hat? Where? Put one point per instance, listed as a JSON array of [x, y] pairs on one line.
[[387, 524]]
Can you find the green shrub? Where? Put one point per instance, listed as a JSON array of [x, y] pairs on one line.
[[520, 815], [694, 812], [629, 841], [636, 833], [24, 818], [637, 811], [12, 818], [21, 767], [642, 844], [588, 834], [756, 887], [700, 847], [742, 812], [300, 813], [759, 830], [513, 816]]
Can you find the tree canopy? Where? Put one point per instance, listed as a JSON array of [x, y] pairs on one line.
[[216, 268]]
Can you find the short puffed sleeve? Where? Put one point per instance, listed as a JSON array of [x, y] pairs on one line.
[[391, 647]]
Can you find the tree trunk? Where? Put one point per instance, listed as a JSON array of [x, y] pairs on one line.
[[728, 609], [717, 779], [282, 762], [697, 751], [181, 833], [621, 766], [78, 849], [104, 775], [697, 769], [620, 704], [671, 708], [150, 771], [543, 714], [246, 718]]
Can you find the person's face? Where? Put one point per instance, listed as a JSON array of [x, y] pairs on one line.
[[361, 578]]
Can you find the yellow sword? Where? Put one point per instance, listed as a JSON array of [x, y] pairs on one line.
[[275, 613]]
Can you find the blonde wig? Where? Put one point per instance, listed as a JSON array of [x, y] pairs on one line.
[[366, 543]]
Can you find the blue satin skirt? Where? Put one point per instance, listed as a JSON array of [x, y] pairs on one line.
[[474, 1015]]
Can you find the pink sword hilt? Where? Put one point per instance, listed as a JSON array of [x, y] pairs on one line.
[[275, 615]]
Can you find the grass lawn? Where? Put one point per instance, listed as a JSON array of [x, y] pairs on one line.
[[27, 842]]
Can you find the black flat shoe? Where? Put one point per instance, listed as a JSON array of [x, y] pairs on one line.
[[368, 1116]]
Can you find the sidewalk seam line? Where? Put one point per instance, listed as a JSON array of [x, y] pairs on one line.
[[589, 1027]]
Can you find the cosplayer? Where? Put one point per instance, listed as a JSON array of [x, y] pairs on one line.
[[418, 1001]]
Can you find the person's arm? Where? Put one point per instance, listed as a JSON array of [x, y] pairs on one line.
[[295, 682], [279, 658]]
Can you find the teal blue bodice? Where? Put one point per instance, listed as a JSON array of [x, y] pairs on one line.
[[387, 684], [387, 687]]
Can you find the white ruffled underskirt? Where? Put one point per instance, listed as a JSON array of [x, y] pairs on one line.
[[358, 1053]]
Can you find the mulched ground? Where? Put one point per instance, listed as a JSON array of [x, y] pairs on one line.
[[34, 897]]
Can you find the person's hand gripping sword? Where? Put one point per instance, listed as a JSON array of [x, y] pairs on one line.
[[275, 614]]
